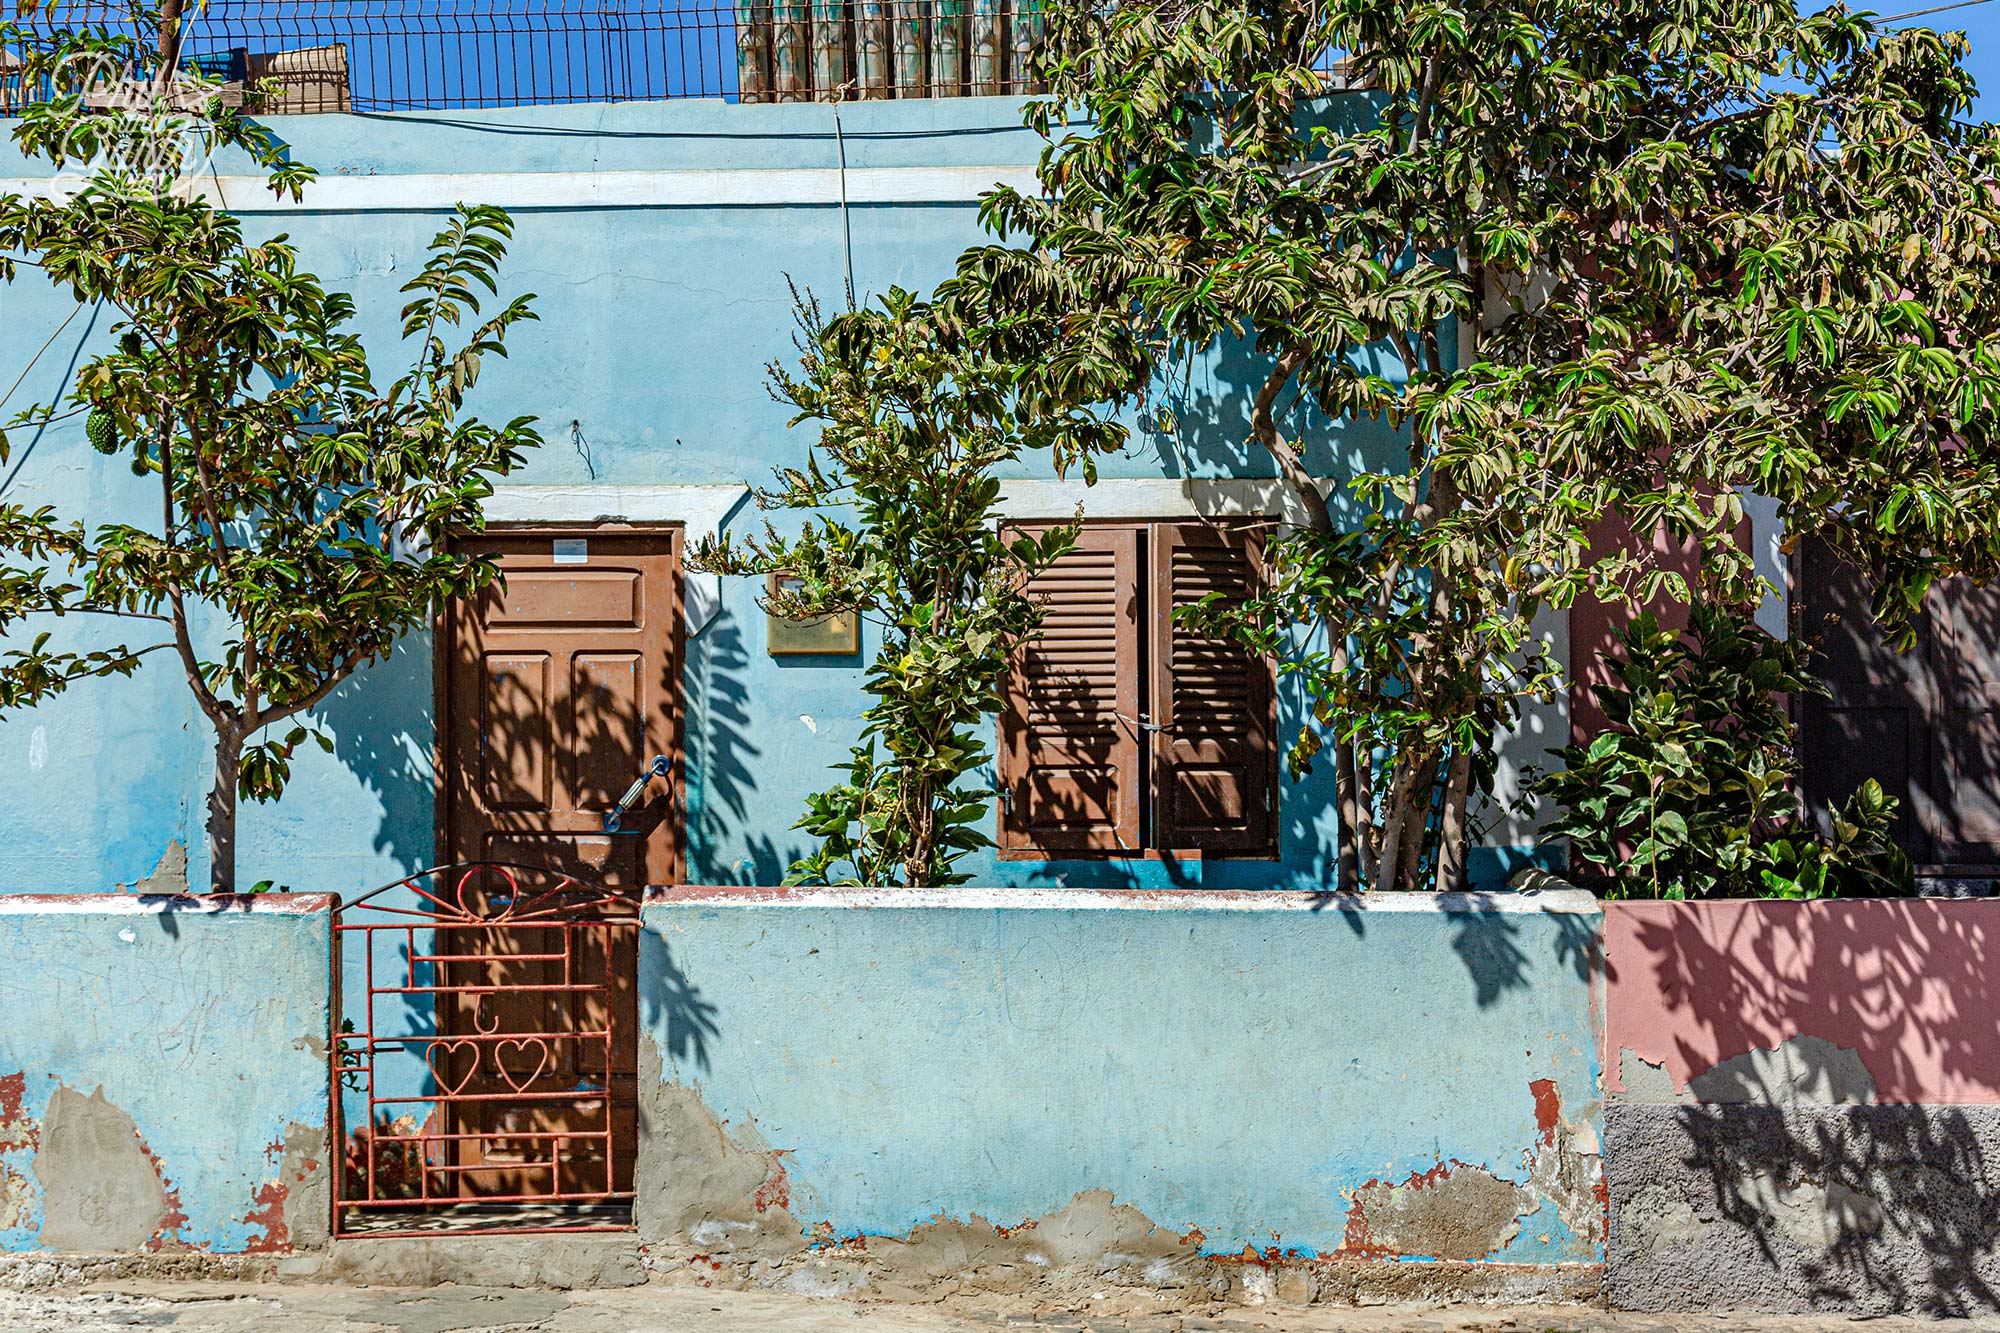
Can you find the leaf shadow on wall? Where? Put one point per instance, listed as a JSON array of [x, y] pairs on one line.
[[723, 761], [381, 722], [1488, 943], [673, 1005], [1825, 1043]]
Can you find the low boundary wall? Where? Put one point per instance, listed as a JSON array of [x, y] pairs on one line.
[[1101, 1099], [163, 1074], [1068, 1091], [1804, 1105]]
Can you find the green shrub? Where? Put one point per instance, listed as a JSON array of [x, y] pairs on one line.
[[1692, 793]]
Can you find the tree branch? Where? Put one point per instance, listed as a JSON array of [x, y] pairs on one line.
[[258, 721], [1264, 425], [216, 711]]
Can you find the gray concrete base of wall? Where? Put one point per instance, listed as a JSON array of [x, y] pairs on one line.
[[1161, 1287], [564, 1262], [66, 1272], [1867, 1209], [619, 1260]]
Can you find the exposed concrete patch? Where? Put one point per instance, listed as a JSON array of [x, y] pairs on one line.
[[1566, 1168], [1870, 1209], [1456, 1210], [1452, 1211], [715, 1207], [701, 1190], [1646, 1083], [1088, 1242], [293, 1208], [17, 1199], [101, 1190], [170, 876], [1801, 1071], [718, 1207]]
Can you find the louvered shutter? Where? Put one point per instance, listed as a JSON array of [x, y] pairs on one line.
[[1214, 775], [1069, 739]]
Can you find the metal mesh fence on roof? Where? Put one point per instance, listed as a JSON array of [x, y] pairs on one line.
[[400, 55]]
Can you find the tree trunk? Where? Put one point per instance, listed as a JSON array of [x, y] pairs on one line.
[[222, 811], [1291, 463], [1347, 798], [1416, 820], [1389, 868], [1362, 759], [171, 30], [923, 834], [1453, 834], [1350, 789]]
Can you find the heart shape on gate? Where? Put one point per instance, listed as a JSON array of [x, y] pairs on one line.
[[541, 1049], [450, 1048]]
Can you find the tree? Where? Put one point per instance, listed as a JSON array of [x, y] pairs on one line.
[[914, 418], [1592, 258], [302, 509]]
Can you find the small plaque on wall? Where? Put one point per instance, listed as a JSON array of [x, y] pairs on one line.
[[827, 636]]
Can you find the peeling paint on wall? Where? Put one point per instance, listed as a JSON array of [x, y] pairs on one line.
[[897, 1100], [710, 1213], [167, 1084], [102, 1189], [1452, 1211]]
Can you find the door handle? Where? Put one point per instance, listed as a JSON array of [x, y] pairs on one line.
[[614, 819]]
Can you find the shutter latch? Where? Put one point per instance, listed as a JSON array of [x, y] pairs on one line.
[[1142, 724]]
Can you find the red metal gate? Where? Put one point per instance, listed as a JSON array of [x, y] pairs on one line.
[[484, 1056]]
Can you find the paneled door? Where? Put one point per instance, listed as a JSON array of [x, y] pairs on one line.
[[560, 688]]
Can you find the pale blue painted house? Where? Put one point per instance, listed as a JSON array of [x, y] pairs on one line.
[[659, 239], [1228, 1082]]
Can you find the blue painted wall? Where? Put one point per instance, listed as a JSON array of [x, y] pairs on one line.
[[1246, 1064], [205, 1025], [647, 368]]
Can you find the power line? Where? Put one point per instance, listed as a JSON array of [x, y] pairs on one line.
[[1940, 9]]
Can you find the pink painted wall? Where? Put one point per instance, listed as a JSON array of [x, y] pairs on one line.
[[1913, 986]]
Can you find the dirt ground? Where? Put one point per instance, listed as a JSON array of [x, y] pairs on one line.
[[241, 1308]]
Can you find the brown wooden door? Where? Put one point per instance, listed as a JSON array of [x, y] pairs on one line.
[[1968, 676], [561, 686]]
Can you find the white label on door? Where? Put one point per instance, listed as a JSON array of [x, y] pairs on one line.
[[572, 551]]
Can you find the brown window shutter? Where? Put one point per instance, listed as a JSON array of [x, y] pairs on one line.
[[1069, 739], [1214, 778]]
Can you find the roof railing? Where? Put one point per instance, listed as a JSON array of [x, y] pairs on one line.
[[302, 56]]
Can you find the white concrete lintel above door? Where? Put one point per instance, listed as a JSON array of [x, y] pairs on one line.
[[700, 509]]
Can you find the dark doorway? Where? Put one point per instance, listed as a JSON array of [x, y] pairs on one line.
[[1925, 723]]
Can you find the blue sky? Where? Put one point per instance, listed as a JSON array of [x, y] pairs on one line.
[[1980, 23]]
